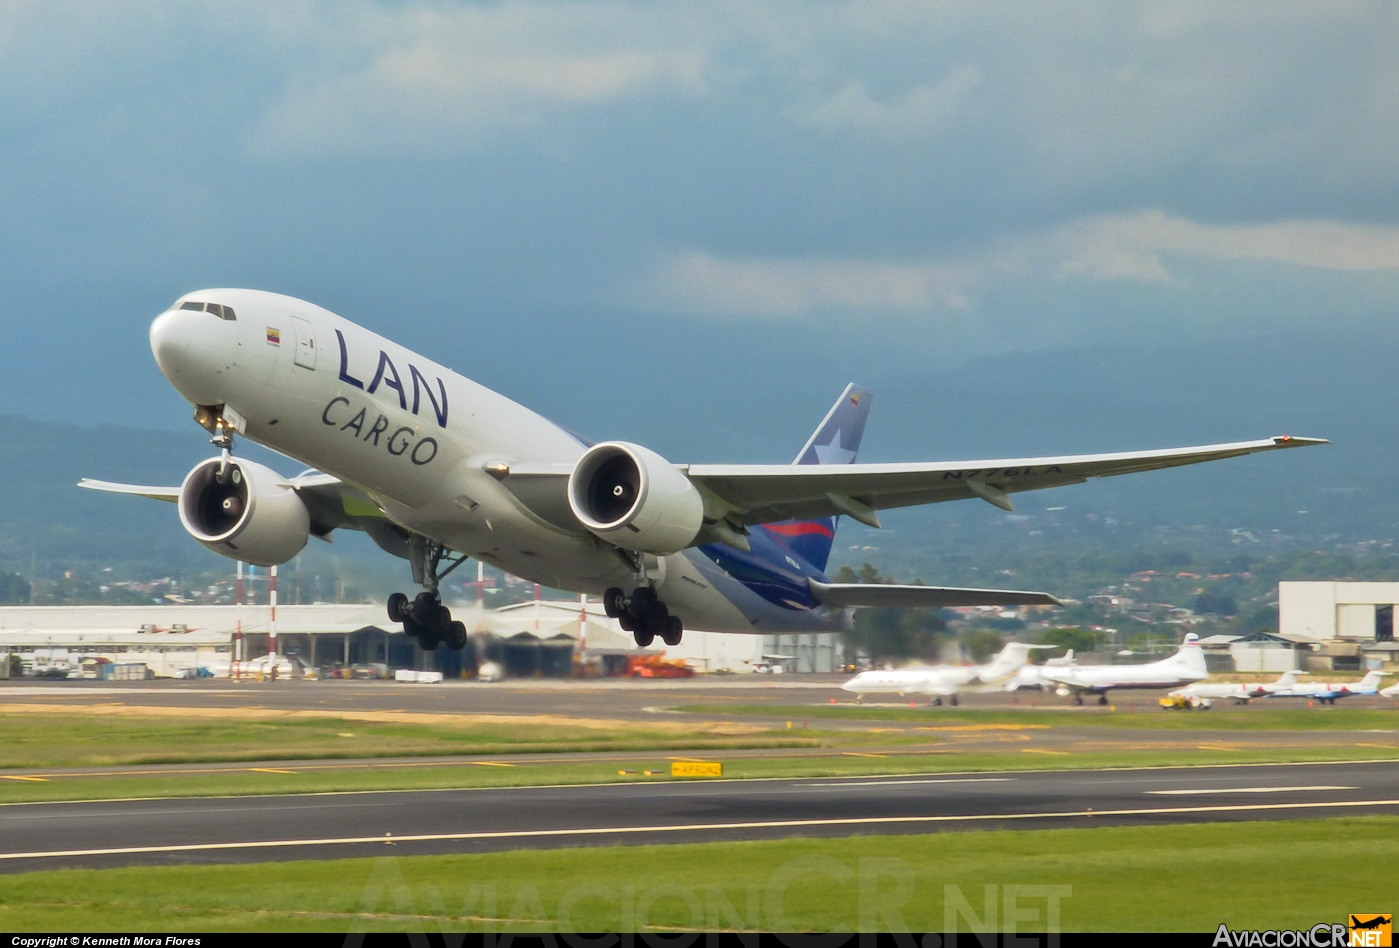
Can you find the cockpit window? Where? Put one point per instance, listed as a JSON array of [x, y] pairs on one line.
[[228, 313], [191, 306]]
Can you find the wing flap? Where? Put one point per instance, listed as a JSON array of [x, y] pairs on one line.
[[928, 597]]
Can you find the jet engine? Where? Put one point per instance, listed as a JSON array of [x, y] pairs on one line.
[[249, 512], [636, 499]]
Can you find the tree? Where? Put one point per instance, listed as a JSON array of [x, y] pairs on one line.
[[1080, 640], [885, 634], [982, 644], [14, 589]]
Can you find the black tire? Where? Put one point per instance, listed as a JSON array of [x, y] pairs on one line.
[[657, 617], [937, 702], [398, 607], [613, 602], [1102, 699], [644, 638], [426, 605], [627, 621], [1078, 699], [429, 641], [673, 631], [952, 701], [455, 639]]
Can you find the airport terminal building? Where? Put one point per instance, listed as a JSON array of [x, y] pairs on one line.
[[1348, 626], [532, 638]]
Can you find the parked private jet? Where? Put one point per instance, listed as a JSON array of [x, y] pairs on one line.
[[1327, 691], [436, 468], [941, 681], [1186, 665]]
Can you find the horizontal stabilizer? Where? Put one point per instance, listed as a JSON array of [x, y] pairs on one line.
[[171, 494], [914, 597]]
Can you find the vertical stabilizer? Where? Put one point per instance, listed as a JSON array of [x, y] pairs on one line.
[[835, 441], [1191, 658]]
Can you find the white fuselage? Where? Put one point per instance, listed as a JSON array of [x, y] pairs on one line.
[[418, 437]]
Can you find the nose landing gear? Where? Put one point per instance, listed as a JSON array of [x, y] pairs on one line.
[[643, 615], [424, 617]]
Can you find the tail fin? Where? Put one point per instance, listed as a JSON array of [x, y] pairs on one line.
[[835, 441], [1370, 682], [1008, 661], [1191, 657]]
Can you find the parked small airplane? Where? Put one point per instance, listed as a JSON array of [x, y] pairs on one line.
[[1186, 665], [1202, 694], [941, 681], [1391, 692], [436, 468], [1327, 692], [1032, 676]]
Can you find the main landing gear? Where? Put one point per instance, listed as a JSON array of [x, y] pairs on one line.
[[424, 617], [643, 615]]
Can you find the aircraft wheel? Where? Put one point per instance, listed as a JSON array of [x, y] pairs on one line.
[[952, 701], [398, 607], [614, 602], [627, 621], [644, 638], [937, 702], [455, 638], [427, 609], [1078, 699], [673, 631], [1102, 699]]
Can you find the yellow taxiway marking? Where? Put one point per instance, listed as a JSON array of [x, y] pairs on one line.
[[1247, 790], [491, 763], [985, 727], [1038, 750], [697, 827], [34, 779], [858, 754], [270, 770]]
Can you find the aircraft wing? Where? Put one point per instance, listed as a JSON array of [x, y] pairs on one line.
[[332, 504], [933, 597], [768, 493]]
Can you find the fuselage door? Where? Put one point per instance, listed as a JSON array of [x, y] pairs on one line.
[[305, 342]]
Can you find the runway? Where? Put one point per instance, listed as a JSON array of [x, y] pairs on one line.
[[321, 826]]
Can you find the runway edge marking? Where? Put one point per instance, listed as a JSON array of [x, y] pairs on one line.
[[686, 828]]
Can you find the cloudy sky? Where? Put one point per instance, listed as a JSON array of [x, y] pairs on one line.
[[707, 190]]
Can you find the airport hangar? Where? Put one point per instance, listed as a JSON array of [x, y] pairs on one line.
[[549, 637]]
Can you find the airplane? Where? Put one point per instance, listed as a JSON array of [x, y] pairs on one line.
[[1032, 676], [1328, 692], [1186, 665], [941, 681], [1202, 694], [1391, 692], [436, 468], [1241, 693]]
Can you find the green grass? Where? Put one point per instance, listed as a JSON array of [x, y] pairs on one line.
[[36, 739], [1295, 718], [1162, 878], [307, 778]]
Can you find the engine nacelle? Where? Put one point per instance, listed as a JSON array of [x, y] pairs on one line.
[[251, 514], [633, 497]]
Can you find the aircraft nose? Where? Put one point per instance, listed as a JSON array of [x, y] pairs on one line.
[[175, 343], [169, 338]]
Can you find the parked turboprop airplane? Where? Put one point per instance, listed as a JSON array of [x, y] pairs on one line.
[[436, 468], [941, 681], [1327, 692], [1186, 665]]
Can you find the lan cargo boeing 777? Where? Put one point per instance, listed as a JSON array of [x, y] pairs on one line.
[[436, 468]]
